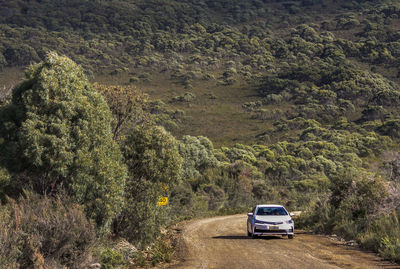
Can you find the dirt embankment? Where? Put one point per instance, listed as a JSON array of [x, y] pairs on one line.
[[222, 242]]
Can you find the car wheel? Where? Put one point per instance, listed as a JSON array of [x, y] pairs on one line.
[[254, 236], [290, 236]]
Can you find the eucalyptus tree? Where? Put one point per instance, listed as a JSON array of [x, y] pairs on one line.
[[55, 135]]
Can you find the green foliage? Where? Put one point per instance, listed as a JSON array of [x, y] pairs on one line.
[[9, 240], [263, 191], [128, 106], [186, 97], [239, 188], [390, 128], [154, 162], [141, 218], [197, 154], [161, 252], [382, 236], [354, 196], [164, 115], [152, 153], [5, 183], [334, 90], [21, 54], [57, 131], [110, 258], [214, 195], [182, 200], [240, 152]]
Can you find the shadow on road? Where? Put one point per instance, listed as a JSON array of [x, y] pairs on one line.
[[243, 237], [237, 237]]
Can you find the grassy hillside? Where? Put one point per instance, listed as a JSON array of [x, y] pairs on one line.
[[213, 49]]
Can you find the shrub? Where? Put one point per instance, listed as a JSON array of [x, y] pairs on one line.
[[186, 97], [110, 258], [134, 80], [390, 128], [382, 236], [9, 240], [264, 192], [43, 231], [154, 162], [181, 200], [141, 218], [214, 195], [3, 61], [390, 248], [152, 153], [197, 154], [20, 55], [5, 182], [161, 252]]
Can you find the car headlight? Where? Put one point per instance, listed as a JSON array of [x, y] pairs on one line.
[[289, 221]]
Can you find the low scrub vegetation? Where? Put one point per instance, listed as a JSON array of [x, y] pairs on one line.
[[40, 232]]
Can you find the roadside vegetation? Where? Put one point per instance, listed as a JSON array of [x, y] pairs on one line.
[[300, 98]]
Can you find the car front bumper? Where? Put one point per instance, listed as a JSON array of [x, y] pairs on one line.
[[264, 229]]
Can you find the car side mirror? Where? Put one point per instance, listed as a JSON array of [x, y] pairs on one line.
[[250, 214], [291, 214]]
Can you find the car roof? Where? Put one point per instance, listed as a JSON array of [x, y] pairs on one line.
[[269, 205]]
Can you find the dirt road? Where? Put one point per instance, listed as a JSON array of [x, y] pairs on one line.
[[222, 242]]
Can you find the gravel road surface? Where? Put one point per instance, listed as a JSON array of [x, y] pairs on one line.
[[222, 242]]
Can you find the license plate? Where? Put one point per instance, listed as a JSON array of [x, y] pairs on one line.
[[274, 227]]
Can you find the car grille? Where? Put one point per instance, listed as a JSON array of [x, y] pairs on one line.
[[269, 222], [269, 231]]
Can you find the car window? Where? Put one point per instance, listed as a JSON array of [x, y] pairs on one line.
[[271, 211]]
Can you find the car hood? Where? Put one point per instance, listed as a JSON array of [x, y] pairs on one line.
[[273, 218]]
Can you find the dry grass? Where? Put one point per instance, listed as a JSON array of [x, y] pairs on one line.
[[222, 119]]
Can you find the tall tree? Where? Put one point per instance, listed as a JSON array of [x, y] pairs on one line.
[[128, 106], [57, 133], [154, 163]]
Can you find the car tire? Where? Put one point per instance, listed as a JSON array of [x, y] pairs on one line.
[[254, 236], [290, 236]]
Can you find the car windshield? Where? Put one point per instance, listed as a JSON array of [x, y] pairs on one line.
[[271, 211]]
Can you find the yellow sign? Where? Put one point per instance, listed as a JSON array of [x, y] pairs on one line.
[[162, 201]]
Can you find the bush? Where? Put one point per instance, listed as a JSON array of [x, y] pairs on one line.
[[5, 182], [181, 200], [110, 258], [43, 231], [141, 218], [9, 240], [382, 236], [134, 80], [161, 252], [214, 195], [390, 248], [186, 97], [20, 55]]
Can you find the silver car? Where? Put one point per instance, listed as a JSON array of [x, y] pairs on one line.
[[270, 220]]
